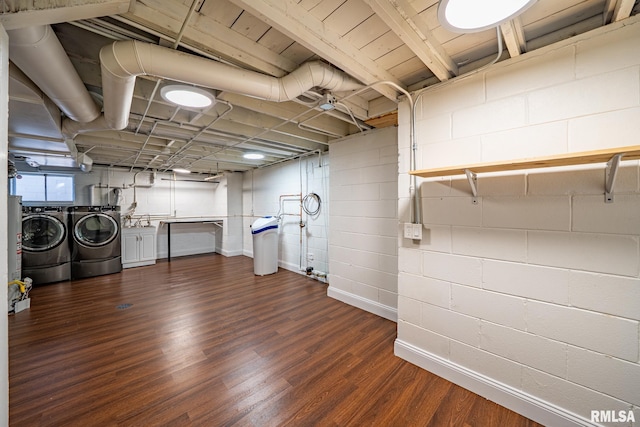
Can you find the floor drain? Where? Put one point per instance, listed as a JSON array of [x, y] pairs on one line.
[[123, 306]]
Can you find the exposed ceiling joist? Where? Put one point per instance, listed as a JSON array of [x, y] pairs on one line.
[[209, 35], [27, 14], [409, 26], [617, 10], [291, 19], [514, 37]]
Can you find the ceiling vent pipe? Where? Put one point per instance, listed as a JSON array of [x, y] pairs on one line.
[[123, 61], [39, 54]]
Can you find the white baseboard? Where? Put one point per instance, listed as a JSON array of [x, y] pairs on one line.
[[374, 307], [529, 406], [228, 253]]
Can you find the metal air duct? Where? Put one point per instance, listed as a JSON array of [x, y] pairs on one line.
[[39, 54], [122, 61]]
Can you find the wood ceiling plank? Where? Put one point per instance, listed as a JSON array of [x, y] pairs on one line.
[[409, 26], [250, 26], [210, 36], [275, 41], [295, 22], [347, 17], [224, 12], [322, 9], [370, 29]]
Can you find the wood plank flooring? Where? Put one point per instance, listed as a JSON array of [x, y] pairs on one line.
[[206, 343]]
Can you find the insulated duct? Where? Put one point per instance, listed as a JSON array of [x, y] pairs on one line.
[[39, 54], [122, 61]]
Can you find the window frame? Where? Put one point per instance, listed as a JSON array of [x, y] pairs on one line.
[[14, 186]]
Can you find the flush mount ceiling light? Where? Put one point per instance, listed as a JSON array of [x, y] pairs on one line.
[[253, 156], [470, 16], [187, 96], [181, 170]]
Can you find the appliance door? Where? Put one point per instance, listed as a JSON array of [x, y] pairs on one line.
[[96, 236], [42, 240]]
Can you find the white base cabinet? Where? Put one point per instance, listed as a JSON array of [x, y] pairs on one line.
[[138, 246]]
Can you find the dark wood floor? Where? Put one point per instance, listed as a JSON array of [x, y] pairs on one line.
[[207, 343]]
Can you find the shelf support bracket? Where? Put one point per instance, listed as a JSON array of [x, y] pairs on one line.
[[610, 177], [473, 183]]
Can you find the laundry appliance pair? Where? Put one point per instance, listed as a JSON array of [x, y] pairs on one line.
[[62, 243]]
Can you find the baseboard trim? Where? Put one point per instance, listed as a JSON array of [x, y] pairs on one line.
[[228, 253], [374, 307], [529, 406]]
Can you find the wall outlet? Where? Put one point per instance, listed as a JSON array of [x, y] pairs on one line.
[[310, 256]]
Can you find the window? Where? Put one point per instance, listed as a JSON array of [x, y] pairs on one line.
[[43, 188]]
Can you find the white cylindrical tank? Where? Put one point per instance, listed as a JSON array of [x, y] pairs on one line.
[[265, 245]]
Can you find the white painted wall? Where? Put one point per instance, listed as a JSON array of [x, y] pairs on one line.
[[264, 190], [166, 199], [363, 221], [531, 297], [4, 115]]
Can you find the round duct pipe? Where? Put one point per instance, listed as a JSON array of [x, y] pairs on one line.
[[39, 54]]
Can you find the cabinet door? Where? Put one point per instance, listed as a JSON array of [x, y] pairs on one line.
[[148, 247], [130, 248]]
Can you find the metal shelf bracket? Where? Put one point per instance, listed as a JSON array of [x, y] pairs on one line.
[[610, 177], [472, 177]]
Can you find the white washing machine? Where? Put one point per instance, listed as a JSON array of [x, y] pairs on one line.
[[45, 249], [95, 241]]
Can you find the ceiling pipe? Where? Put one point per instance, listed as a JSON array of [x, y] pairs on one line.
[[123, 61], [39, 54]]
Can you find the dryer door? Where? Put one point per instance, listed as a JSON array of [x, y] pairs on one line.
[[95, 230], [41, 232]]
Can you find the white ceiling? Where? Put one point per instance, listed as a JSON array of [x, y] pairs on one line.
[[396, 41]]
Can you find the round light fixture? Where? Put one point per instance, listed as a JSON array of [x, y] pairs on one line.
[[470, 16], [181, 170], [253, 156], [187, 96]]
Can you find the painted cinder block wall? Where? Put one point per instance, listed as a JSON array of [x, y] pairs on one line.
[[531, 297], [276, 189], [363, 225]]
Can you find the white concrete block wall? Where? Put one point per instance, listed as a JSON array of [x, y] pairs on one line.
[[536, 288], [363, 229], [162, 198], [276, 190]]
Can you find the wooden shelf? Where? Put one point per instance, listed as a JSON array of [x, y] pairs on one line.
[[568, 159]]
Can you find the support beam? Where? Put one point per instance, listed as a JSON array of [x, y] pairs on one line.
[[617, 10], [291, 19], [514, 37], [411, 28], [28, 14]]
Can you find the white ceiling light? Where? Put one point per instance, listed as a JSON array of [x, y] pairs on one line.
[[470, 16], [181, 170], [187, 96], [253, 156]]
